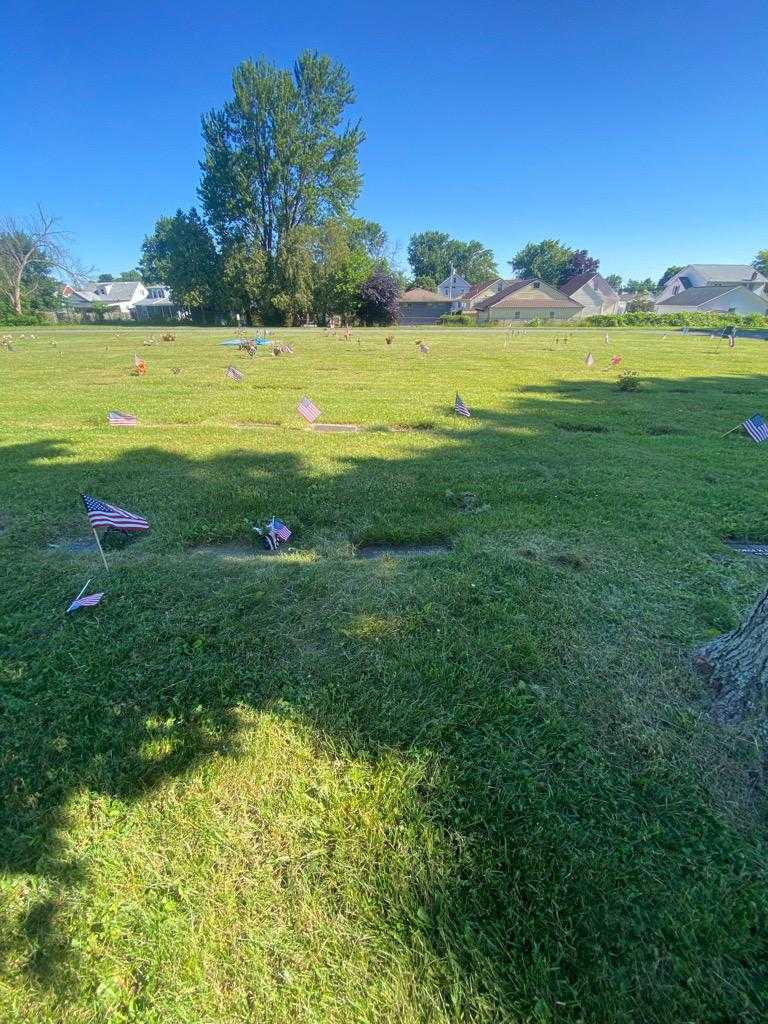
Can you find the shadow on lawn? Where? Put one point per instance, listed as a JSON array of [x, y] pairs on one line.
[[120, 702]]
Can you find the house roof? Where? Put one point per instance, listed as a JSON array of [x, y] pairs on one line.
[[119, 291], [507, 297], [477, 288], [725, 272], [574, 283], [698, 296], [422, 295]]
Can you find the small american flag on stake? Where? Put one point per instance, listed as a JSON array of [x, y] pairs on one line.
[[308, 409], [121, 419], [101, 514], [234, 374], [85, 602], [757, 428], [280, 530], [459, 407]]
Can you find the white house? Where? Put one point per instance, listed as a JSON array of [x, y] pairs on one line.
[[725, 298], [701, 275], [594, 293], [453, 286], [157, 305], [527, 299], [119, 296]]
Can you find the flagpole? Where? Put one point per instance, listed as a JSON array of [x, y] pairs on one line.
[[101, 549], [82, 591], [731, 431]]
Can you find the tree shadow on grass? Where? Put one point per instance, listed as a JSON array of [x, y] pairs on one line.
[[578, 866]]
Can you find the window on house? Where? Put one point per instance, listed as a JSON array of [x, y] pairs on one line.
[[551, 312], [517, 314], [676, 289], [731, 309], [535, 284]]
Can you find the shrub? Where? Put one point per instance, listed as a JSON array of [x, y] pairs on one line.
[[169, 336], [628, 381], [457, 320]]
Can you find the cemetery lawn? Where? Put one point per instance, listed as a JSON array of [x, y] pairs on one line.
[[479, 786]]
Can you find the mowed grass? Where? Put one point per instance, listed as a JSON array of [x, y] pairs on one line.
[[321, 790]]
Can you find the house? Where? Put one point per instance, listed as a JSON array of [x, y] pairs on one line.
[[478, 292], [119, 297], [701, 275], [527, 299], [419, 306], [593, 292], [453, 286], [158, 305], [725, 298]]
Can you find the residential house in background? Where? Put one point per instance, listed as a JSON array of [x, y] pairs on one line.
[[453, 286], [419, 306], [119, 298], [528, 299], [158, 305], [725, 298], [476, 293], [594, 294], [707, 275]]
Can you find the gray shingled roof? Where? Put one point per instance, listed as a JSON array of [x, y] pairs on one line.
[[698, 296], [736, 272], [121, 291], [548, 296]]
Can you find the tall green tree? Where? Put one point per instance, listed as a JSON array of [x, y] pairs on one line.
[[431, 254], [760, 262], [278, 159], [30, 250], [645, 286], [181, 253], [615, 281], [548, 260]]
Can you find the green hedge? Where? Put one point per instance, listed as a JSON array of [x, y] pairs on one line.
[[25, 320], [458, 320], [648, 319]]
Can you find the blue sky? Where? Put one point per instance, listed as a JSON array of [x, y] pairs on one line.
[[635, 130]]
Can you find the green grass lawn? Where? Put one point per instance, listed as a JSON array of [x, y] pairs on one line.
[[315, 789]]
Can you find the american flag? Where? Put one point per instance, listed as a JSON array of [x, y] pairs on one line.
[[731, 341], [85, 602], [139, 364], [279, 529], [459, 406], [590, 360], [121, 419], [757, 428], [234, 374], [308, 409], [102, 514]]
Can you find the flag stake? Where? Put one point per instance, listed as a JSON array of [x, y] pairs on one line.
[[83, 590], [731, 431], [101, 549]]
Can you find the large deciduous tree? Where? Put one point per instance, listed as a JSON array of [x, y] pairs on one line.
[[30, 250], [615, 281], [580, 262], [278, 159], [760, 262], [432, 254], [668, 273], [181, 253], [547, 260], [378, 298]]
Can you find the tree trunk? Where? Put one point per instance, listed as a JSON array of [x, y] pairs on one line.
[[736, 665]]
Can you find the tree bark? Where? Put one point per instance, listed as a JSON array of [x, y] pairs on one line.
[[736, 665]]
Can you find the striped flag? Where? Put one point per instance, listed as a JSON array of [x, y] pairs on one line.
[[590, 360], [121, 419], [102, 514], [731, 341], [85, 602], [234, 374], [280, 530], [757, 428], [308, 409], [138, 364], [459, 407]]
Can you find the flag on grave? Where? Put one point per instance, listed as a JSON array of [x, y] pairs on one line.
[[459, 407], [121, 419], [234, 374], [731, 341], [85, 602], [308, 409], [139, 365], [101, 514], [615, 360], [590, 360], [280, 530], [757, 428], [423, 348]]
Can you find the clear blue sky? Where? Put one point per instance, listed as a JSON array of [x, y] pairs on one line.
[[636, 130]]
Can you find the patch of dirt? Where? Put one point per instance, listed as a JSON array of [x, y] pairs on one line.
[[401, 550], [255, 425], [336, 428]]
